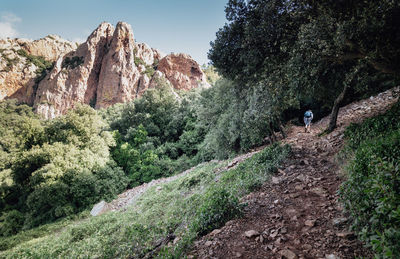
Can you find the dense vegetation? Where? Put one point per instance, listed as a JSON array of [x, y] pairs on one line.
[[192, 205], [372, 191], [53, 169], [156, 135], [306, 53]]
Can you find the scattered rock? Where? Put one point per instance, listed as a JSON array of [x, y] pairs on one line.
[[288, 254], [215, 232], [331, 256], [309, 223], [208, 243], [346, 235], [299, 187], [274, 233], [275, 180], [319, 191], [339, 221], [251, 233]]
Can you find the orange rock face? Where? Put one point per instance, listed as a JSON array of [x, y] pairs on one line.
[[182, 71], [18, 73], [108, 68]]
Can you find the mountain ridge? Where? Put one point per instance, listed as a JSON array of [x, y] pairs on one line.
[[109, 67]]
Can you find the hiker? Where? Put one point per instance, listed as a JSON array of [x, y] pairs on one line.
[[308, 116]]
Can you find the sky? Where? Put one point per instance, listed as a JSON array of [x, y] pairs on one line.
[[177, 26]]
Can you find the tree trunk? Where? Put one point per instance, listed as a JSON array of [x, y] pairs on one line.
[[272, 136], [335, 109], [282, 130]]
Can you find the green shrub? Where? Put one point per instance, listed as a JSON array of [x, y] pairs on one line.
[[11, 222], [149, 71], [138, 61], [53, 169], [218, 207], [371, 192], [71, 63], [373, 127]]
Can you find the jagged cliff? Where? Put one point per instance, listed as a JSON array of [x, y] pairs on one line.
[[110, 67], [24, 62]]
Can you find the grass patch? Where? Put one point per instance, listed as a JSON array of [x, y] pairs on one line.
[[185, 208], [371, 192], [44, 230]]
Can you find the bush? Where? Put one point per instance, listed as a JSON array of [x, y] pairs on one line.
[[73, 62], [372, 191], [156, 135], [11, 222], [218, 207], [56, 168]]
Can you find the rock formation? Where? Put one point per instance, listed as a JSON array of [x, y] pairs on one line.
[[182, 71], [110, 67], [119, 75], [21, 62], [74, 78]]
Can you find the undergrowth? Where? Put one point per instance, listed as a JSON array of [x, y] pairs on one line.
[[183, 209], [371, 192]]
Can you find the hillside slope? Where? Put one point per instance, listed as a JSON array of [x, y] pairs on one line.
[[297, 214]]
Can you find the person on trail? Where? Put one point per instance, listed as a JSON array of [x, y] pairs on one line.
[[308, 116]]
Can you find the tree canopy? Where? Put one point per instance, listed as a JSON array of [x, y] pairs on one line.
[[300, 48]]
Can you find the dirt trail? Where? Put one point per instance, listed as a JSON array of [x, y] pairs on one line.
[[297, 214]]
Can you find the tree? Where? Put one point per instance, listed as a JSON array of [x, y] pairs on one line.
[[303, 41]]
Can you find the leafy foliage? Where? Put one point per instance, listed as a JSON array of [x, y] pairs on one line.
[[73, 62], [212, 75], [52, 169], [157, 134], [372, 191], [218, 207], [192, 198], [235, 120], [305, 52]]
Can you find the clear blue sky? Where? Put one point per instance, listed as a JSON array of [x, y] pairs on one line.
[[169, 25]]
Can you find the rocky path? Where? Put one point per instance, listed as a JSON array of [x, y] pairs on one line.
[[297, 213]]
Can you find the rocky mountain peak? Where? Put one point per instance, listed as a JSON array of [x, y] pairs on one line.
[[110, 67]]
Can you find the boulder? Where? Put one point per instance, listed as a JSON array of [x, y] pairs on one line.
[[99, 208]]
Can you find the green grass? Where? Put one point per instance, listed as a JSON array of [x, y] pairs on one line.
[[42, 231], [187, 207], [371, 193]]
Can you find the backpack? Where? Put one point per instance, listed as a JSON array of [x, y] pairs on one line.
[[307, 114]]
